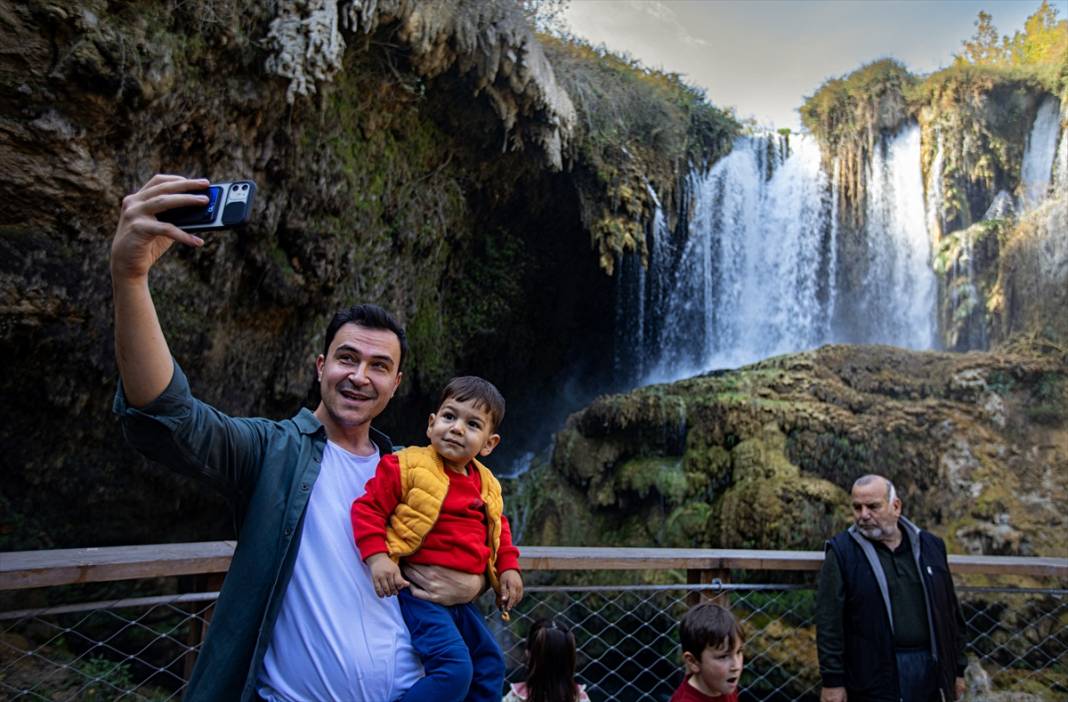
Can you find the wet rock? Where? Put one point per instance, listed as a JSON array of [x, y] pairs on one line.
[[773, 448]]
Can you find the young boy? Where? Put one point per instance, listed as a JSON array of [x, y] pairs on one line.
[[712, 652], [437, 505]]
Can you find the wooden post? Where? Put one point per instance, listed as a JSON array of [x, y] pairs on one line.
[[708, 577]]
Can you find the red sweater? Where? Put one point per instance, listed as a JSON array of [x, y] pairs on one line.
[[458, 540], [689, 693]]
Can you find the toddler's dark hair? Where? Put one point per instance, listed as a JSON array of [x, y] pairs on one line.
[[550, 663], [709, 624], [483, 392]]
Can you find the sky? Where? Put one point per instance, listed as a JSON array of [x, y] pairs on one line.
[[764, 56]]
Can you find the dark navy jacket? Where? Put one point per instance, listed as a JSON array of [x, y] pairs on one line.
[[870, 663]]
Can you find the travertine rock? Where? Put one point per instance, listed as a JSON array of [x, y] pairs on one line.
[[489, 41], [977, 444]]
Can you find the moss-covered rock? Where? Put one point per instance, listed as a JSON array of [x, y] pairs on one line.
[[638, 128], [976, 443], [770, 504]]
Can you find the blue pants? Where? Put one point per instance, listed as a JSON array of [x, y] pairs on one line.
[[917, 676], [461, 659]]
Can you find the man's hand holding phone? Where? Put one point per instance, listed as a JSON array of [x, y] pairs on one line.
[[171, 208], [141, 350], [140, 238]]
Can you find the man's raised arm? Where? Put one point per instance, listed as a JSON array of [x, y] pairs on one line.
[[141, 350]]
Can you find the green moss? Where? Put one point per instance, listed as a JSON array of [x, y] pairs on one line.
[[1048, 403], [687, 526], [672, 483], [710, 461], [642, 475], [639, 475], [855, 108], [636, 126]]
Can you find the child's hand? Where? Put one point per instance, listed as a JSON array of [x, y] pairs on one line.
[[511, 590], [386, 575]]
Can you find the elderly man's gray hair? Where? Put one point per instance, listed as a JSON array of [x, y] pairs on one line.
[[891, 491]]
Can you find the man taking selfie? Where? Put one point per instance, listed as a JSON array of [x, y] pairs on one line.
[[297, 617]]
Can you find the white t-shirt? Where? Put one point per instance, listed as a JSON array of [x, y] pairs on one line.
[[334, 638]]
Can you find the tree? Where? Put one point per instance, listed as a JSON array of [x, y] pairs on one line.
[[985, 48], [1044, 40]]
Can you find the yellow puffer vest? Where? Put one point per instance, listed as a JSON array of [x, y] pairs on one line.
[[424, 483]]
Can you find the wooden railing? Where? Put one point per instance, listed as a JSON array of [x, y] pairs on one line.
[[203, 566], [29, 569]]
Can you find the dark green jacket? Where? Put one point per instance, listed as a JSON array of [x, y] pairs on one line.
[[267, 469]]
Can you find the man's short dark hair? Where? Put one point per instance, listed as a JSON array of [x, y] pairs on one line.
[[369, 317], [483, 392], [709, 624]]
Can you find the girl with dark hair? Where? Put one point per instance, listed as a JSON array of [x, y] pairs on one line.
[[550, 667]]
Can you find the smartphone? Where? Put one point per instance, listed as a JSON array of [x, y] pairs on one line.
[[229, 205]]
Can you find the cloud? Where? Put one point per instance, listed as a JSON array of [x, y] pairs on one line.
[[660, 12], [656, 10]]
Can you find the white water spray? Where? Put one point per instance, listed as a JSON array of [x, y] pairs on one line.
[[899, 286], [1060, 169], [757, 272], [935, 199], [1038, 157], [751, 278]]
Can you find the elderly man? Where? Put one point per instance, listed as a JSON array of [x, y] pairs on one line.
[[297, 618], [888, 625]]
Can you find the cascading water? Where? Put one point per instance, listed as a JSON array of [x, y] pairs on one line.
[[935, 199], [1037, 170], [1060, 169], [640, 289], [756, 271], [751, 278], [898, 295]]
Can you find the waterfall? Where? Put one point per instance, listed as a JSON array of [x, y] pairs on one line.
[[935, 224], [756, 269], [1060, 174], [639, 289], [964, 297], [899, 286], [752, 277], [1038, 157]]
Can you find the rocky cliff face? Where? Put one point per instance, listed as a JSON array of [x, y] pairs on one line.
[[763, 457], [407, 153], [1006, 276], [975, 125]]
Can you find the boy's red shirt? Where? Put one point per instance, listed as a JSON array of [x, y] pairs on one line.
[[459, 539], [689, 693]]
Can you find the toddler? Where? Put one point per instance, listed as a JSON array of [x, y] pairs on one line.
[[437, 505]]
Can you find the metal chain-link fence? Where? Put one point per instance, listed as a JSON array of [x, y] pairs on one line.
[[141, 649]]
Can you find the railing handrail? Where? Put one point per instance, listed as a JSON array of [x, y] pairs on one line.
[[27, 569]]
